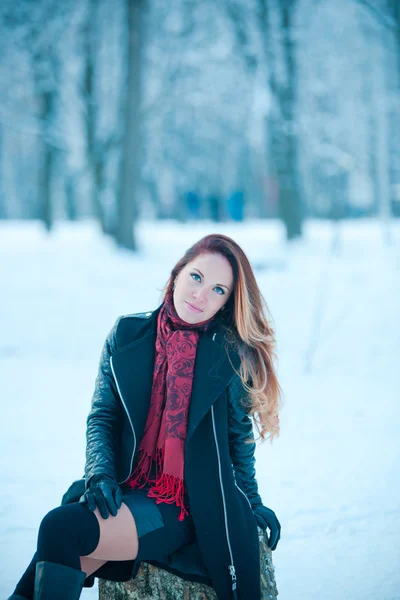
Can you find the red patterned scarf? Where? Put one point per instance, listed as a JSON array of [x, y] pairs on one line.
[[165, 431]]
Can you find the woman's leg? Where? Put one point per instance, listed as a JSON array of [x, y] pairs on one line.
[[73, 536], [66, 533], [118, 540], [70, 533]]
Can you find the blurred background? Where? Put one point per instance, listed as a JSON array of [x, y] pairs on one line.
[[131, 128], [229, 109]]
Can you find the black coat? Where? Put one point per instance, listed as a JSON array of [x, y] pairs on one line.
[[219, 466]]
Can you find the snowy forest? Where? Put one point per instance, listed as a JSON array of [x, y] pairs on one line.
[[185, 110]]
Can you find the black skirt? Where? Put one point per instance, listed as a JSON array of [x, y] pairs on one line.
[[151, 517], [159, 530]]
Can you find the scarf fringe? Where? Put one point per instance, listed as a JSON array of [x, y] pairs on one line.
[[165, 488], [141, 474], [170, 489]]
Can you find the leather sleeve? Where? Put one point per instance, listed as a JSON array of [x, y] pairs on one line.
[[240, 428], [104, 419]]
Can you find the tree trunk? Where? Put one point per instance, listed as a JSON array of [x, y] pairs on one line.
[[379, 66], [46, 160], [282, 129], [94, 157], [70, 199], [153, 583], [395, 8], [131, 147], [380, 138]]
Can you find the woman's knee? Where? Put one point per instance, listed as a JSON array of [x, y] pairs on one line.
[[52, 523], [71, 524]]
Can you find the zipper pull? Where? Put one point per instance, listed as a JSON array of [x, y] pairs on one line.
[[233, 575]]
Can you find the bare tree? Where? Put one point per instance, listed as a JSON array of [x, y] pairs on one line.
[[282, 125], [43, 59], [37, 28], [394, 7], [95, 165], [131, 146], [98, 143], [277, 38], [384, 21]]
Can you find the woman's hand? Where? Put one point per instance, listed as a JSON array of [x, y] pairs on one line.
[[266, 517], [105, 493]]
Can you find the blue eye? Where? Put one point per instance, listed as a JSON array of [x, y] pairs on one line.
[[221, 293]]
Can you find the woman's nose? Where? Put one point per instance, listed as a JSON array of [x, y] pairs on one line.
[[200, 294]]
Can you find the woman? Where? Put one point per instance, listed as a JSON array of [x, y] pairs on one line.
[[170, 468]]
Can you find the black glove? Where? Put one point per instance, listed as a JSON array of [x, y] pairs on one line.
[[266, 517], [105, 493]]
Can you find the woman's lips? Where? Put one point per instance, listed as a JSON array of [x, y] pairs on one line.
[[193, 308]]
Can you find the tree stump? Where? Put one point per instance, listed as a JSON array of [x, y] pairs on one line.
[[152, 583]]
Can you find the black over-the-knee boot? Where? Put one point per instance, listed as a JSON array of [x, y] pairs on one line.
[[65, 534], [57, 582]]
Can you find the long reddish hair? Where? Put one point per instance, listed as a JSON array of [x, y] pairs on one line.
[[248, 329]]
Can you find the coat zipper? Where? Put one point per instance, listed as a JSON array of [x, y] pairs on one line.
[[240, 489], [231, 567], [129, 418]]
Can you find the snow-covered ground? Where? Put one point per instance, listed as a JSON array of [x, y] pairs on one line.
[[332, 477]]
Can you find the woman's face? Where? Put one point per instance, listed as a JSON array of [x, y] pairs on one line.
[[202, 287]]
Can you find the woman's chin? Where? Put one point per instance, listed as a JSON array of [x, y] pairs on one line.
[[186, 314]]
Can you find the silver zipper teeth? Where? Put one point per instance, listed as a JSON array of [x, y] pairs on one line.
[[130, 421], [240, 489], [231, 567]]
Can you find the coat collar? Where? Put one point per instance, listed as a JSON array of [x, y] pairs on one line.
[[215, 365]]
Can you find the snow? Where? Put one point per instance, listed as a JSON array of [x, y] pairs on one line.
[[331, 476]]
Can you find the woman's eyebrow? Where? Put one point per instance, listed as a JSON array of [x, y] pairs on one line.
[[220, 284]]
